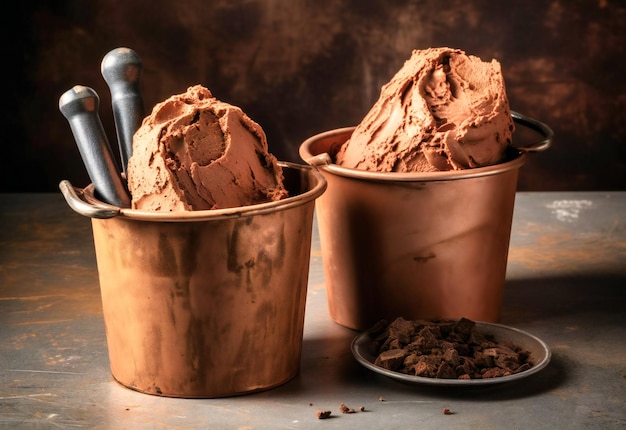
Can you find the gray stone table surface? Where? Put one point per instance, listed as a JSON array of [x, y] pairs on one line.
[[566, 284]]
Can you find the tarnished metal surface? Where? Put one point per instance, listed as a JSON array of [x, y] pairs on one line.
[[190, 305], [205, 309], [566, 284]]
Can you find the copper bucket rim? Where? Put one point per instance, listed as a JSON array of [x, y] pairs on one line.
[[517, 157], [85, 203]]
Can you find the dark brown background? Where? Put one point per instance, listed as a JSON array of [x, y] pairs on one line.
[[301, 67]]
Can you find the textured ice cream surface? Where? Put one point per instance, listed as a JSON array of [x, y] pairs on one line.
[[443, 110], [194, 152]]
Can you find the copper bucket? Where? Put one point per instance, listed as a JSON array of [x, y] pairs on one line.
[[205, 303], [416, 245]]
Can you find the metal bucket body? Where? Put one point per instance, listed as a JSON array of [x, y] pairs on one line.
[[420, 246], [211, 305]]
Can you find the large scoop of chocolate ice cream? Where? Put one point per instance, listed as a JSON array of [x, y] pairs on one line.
[[443, 110], [195, 152]]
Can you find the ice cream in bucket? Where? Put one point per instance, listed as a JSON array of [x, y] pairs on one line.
[[205, 303], [417, 245]]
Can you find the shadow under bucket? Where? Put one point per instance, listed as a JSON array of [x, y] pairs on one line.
[[205, 303], [416, 245]]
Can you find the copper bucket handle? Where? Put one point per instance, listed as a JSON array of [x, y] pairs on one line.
[[541, 128], [76, 200]]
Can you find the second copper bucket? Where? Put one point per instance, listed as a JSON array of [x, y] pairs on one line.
[[205, 303], [416, 245]]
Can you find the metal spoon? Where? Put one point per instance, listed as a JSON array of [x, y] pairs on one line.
[[121, 69], [80, 106]]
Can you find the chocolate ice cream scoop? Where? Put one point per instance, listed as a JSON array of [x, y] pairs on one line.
[[195, 152], [80, 106], [121, 69], [443, 110]]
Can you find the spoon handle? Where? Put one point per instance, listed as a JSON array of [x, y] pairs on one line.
[[121, 69], [80, 105]]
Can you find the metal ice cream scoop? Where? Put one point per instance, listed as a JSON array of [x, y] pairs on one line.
[[80, 106], [121, 69]]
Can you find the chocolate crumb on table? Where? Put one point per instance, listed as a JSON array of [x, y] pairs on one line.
[[322, 415], [345, 409], [445, 349]]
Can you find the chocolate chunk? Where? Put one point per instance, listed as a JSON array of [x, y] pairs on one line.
[[445, 371], [451, 357], [391, 359], [446, 349], [465, 328], [322, 415], [345, 409]]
